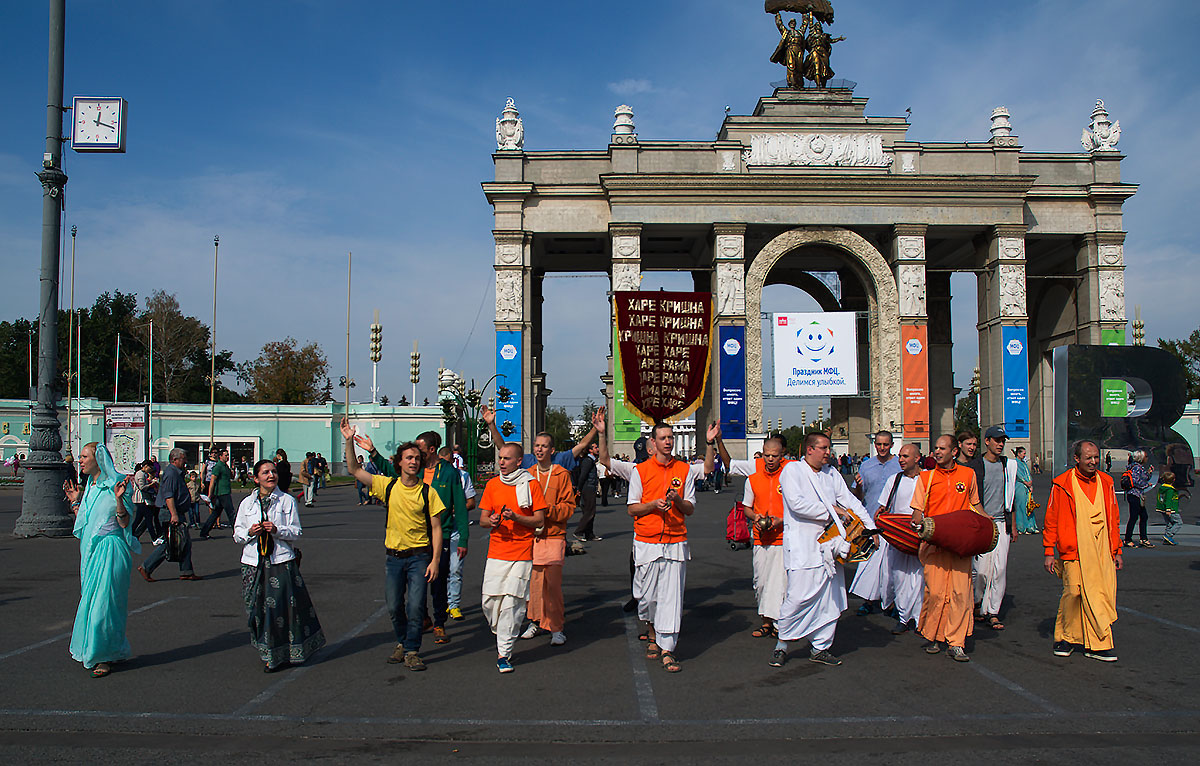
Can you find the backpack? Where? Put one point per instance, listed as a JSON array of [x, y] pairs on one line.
[[1127, 480], [737, 529]]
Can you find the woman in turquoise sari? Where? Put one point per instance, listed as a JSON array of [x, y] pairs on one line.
[[1023, 518], [106, 548]]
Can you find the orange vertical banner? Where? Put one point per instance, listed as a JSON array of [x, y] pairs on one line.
[[914, 369]]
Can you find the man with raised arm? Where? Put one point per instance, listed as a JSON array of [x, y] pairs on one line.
[[947, 600], [1083, 527], [763, 503], [514, 509], [814, 495], [565, 458], [413, 542]]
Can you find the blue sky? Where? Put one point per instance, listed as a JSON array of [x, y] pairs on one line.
[[298, 131]]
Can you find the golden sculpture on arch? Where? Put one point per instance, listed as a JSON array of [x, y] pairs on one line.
[[804, 50]]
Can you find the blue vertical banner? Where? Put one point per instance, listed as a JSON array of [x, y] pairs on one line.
[[1016, 381], [732, 351], [508, 368]]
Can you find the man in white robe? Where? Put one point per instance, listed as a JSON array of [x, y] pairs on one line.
[[903, 581], [816, 583]]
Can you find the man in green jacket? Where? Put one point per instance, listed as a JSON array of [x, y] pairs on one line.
[[443, 478]]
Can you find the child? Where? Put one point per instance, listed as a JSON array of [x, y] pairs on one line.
[[1168, 506]]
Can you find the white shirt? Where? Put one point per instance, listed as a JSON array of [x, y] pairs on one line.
[[622, 468], [742, 468], [281, 512], [806, 512], [903, 501], [468, 486]]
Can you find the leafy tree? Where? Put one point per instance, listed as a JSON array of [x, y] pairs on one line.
[[285, 374], [966, 414], [589, 409], [558, 425], [14, 358], [1188, 353]]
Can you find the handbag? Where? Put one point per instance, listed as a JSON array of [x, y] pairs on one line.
[[176, 541]]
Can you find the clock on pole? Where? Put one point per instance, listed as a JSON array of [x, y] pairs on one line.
[[98, 123]]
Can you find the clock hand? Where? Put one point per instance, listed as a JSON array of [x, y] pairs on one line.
[[105, 124]]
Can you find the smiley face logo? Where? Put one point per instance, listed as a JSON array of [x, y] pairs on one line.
[[960, 487], [779, 489], [814, 342], [676, 483]]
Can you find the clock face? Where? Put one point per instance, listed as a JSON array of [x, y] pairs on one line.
[[98, 124]]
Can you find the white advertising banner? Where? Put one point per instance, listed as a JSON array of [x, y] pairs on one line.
[[125, 435], [816, 354]]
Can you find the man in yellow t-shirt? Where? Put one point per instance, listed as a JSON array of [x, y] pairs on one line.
[[413, 541]]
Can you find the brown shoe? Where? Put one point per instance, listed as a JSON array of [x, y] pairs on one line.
[[145, 575], [190, 577], [413, 661], [397, 656], [440, 637]]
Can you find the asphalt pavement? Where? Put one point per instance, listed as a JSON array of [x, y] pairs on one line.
[[195, 693]]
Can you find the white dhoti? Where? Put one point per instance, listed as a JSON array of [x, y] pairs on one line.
[[659, 576], [871, 578], [505, 596], [991, 573], [770, 580], [812, 606], [905, 583]]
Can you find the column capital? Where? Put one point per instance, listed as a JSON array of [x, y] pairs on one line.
[[1009, 230], [624, 229], [909, 229], [731, 229]]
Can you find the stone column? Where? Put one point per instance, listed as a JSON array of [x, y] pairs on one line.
[[727, 398], [1003, 337], [626, 274], [908, 266], [514, 336], [1100, 263]]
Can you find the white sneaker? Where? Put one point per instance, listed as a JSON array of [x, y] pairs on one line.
[[558, 638], [533, 631], [160, 541]]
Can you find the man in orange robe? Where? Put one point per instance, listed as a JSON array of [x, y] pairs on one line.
[[546, 609], [1083, 525], [946, 607]]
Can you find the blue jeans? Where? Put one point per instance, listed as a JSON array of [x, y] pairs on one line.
[[1174, 524], [454, 583], [404, 588], [160, 553]]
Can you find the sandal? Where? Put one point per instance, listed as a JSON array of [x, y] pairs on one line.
[[652, 651], [670, 664], [994, 623], [647, 633], [767, 630], [101, 670]]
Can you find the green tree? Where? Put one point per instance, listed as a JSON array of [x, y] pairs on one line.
[[285, 374], [966, 414], [1187, 351], [589, 409], [15, 339], [558, 425], [181, 353]]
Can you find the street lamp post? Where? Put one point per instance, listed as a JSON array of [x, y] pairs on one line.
[[212, 358], [468, 405], [44, 508]]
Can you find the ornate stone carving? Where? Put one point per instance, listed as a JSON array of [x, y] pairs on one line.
[[912, 289], [1112, 255], [1104, 133], [623, 128], [883, 304], [1012, 290], [1112, 295], [510, 131], [730, 246], [908, 162], [729, 158], [509, 295], [835, 149], [1002, 128], [626, 276], [731, 289], [910, 247], [508, 253], [1012, 248], [627, 246]]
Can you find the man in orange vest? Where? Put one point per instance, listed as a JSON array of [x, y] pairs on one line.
[[1083, 525], [948, 601], [763, 504], [662, 494]]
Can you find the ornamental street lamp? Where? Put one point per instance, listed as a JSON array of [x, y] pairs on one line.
[[459, 404]]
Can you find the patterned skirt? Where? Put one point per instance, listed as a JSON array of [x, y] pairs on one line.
[[283, 622]]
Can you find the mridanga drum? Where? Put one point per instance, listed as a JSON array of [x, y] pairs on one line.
[[963, 533]]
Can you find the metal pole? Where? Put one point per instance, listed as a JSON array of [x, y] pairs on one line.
[[349, 261], [79, 380], [150, 407], [70, 340], [212, 373], [117, 370], [44, 508]]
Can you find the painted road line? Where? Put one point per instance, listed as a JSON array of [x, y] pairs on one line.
[[61, 636], [1016, 688], [1145, 616], [274, 688], [642, 688]]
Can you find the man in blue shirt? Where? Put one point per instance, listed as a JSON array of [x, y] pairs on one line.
[[872, 474]]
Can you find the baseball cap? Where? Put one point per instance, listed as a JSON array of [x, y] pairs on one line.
[[995, 432]]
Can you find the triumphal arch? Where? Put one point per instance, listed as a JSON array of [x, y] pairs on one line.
[[805, 186]]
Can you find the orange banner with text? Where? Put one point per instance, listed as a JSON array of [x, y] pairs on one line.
[[914, 369]]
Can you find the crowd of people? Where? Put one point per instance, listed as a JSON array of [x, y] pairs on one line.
[[803, 513]]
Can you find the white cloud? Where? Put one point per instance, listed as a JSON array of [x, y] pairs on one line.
[[631, 86]]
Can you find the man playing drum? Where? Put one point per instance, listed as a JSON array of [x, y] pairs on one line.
[[903, 577], [948, 599]]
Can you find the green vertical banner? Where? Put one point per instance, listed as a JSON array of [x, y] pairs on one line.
[[1114, 398], [626, 425]]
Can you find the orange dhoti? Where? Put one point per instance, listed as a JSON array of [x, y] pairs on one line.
[[946, 607], [545, 585]]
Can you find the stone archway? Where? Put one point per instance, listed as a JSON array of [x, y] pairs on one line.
[[884, 316]]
